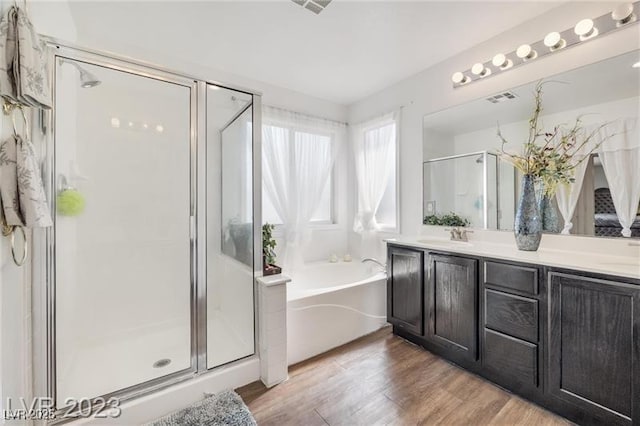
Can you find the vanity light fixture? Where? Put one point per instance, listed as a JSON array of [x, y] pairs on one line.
[[585, 29], [623, 14], [525, 52], [501, 61], [554, 41], [459, 78], [480, 70]]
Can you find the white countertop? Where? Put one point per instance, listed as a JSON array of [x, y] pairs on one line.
[[623, 266]]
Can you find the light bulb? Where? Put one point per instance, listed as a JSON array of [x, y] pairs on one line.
[[525, 52], [501, 61], [115, 122], [636, 65], [623, 14], [459, 78], [585, 29], [159, 128], [131, 124], [554, 41], [480, 70]]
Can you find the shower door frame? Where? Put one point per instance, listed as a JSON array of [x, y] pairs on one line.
[[44, 261]]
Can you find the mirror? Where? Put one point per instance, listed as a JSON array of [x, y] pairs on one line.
[[464, 180]]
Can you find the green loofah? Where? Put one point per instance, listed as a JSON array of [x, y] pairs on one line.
[[70, 202]]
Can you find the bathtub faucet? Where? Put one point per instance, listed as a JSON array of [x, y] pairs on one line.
[[377, 262]]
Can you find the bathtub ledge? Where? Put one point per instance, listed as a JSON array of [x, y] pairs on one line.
[[272, 280]]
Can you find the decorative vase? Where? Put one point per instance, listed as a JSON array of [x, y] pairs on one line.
[[550, 217], [528, 223]]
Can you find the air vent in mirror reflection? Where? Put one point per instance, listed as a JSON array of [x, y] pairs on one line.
[[501, 97]]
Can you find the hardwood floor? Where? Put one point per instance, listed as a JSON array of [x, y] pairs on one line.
[[382, 379]]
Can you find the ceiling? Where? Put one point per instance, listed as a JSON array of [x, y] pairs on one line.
[[349, 51], [600, 82]]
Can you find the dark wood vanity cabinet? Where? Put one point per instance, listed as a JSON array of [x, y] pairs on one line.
[[567, 340], [451, 302], [594, 346], [405, 289], [511, 347]]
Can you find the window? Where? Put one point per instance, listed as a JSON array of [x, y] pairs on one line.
[[289, 154], [375, 144]]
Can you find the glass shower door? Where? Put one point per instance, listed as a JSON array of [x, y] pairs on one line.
[[230, 251], [123, 238]]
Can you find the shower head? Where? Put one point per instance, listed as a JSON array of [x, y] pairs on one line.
[[87, 79]]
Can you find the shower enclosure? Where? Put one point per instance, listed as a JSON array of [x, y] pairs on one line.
[[148, 273]]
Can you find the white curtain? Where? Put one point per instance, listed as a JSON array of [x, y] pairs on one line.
[[567, 195], [374, 144], [620, 156], [298, 154]]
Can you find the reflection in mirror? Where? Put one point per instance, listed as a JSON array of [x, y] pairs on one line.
[[477, 187], [603, 200]]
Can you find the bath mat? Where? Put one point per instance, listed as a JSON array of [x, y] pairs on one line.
[[223, 409]]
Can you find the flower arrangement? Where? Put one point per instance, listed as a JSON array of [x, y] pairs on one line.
[[551, 157]]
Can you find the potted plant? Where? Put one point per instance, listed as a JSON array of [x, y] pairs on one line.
[[268, 251], [547, 159], [450, 219]]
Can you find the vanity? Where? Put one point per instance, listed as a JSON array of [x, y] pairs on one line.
[[564, 335]]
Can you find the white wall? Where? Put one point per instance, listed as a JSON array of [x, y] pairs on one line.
[[431, 90]]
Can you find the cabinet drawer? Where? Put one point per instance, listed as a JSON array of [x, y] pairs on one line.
[[513, 315], [511, 276], [511, 358]]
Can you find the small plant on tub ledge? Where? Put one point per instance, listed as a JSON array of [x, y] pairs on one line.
[[269, 251], [448, 219]]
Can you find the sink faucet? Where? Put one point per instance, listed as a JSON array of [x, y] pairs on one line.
[[458, 234], [376, 261]]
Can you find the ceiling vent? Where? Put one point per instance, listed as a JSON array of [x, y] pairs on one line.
[[502, 97], [316, 6]]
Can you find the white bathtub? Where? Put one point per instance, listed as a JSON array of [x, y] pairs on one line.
[[329, 304]]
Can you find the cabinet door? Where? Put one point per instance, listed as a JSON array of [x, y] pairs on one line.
[[452, 304], [405, 289], [594, 347]]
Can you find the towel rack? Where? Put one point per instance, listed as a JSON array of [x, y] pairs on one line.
[[10, 231]]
